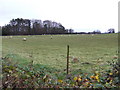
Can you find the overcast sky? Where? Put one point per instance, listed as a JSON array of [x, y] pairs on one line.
[[80, 15]]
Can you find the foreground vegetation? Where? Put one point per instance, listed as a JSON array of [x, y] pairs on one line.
[[40, 76], [40, 61]]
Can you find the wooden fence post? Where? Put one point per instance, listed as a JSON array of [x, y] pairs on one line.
[[67, 59]]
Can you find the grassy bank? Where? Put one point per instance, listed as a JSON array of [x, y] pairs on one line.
[[95, 50]]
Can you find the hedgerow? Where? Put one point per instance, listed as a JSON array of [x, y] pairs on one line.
[[15, 75]]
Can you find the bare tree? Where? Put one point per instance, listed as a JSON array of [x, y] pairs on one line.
[[111, 30]]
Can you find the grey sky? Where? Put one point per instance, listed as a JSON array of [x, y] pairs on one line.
[[80, 15]]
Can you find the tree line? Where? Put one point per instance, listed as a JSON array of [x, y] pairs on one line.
[[22, 26]]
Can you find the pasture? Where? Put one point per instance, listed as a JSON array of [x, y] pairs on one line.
[[91, 51]]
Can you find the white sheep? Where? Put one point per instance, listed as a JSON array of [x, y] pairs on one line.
[[24, 39], [51, 37], [10, 37], [92, 34]]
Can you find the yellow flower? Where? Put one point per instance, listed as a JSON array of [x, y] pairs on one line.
[[97, 78], [110, 73], [79, 79], [92, 77], [60, 81], [75, 78]]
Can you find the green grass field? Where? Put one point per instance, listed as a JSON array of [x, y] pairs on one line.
[[93, 52]]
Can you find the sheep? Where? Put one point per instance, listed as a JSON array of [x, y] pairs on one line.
[[10, 37], [5, 36], [24, 39], [51, 37], [92, 34]]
